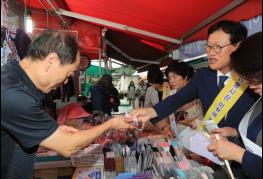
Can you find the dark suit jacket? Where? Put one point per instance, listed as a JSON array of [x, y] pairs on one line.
[[252, 163], [99, 99], [203, 85]]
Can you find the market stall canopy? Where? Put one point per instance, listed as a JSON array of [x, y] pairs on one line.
[[142, 31]]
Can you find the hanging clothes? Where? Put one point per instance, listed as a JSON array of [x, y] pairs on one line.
[[3, 46], [11, 49], [8, 51]]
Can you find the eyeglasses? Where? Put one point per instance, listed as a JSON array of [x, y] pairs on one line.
[[216, 48], [253, 81]]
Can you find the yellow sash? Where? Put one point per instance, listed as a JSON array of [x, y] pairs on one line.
[[224, 101], [166, 90]]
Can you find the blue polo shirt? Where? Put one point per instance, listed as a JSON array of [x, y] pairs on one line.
[[24, 123]]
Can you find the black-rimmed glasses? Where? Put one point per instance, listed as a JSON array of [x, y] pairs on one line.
[[216, 48]]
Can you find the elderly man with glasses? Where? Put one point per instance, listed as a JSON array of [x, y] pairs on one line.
[[211, 84]]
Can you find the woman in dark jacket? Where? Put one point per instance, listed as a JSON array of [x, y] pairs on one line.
[[104, 97]]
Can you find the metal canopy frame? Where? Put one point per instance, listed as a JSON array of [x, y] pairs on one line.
[[124, 27], [128, 57], [64, 23], [158, 60], [117, 26]]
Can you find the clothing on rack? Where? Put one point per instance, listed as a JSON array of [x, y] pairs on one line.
[[8, 48]]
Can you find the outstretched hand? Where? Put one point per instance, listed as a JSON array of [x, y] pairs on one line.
[[143, 114], [168, 132], [121, 123]]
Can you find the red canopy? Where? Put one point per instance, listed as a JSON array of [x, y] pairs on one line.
[[187, 20]]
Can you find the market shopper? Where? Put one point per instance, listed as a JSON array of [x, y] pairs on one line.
[[247, 61], [141, 90], [158, 91], [25, 126], [179, 74], [131, 94], [207, 84], [104, 96]]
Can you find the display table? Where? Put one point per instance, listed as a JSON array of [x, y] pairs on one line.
[[121, 154], [52, 167]]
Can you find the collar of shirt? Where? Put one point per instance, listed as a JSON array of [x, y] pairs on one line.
[[219, 73], [173, 91], [27, 81]]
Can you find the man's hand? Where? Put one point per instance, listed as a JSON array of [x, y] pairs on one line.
[[120, 123], [226, 150], [143, 114], [168, 132], [213, 137], [164, 125], [225, 132]]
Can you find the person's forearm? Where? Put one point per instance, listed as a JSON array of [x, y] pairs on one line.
[[81, 139]]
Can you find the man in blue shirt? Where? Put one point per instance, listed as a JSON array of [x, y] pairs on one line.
[[51, 59]]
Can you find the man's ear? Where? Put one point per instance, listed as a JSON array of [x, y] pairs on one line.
[[50, 60], [236, 46]]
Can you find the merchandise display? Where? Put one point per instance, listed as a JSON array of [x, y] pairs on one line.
[[99, 90], [111, 136], [134, 154], [151, 159]]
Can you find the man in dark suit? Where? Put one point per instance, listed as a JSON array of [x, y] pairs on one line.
[[224, 38]]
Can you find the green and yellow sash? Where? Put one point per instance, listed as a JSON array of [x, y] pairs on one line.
[[224, 101], [166, 90]]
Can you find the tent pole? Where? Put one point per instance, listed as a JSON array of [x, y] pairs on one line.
[[106, 66], [110, 64], [100, 74], [64, 23]]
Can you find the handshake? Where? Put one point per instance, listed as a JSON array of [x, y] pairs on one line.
[[137, 119], [135, 122], [126, 122]]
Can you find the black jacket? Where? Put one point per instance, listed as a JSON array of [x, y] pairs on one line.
[[104, 99]]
